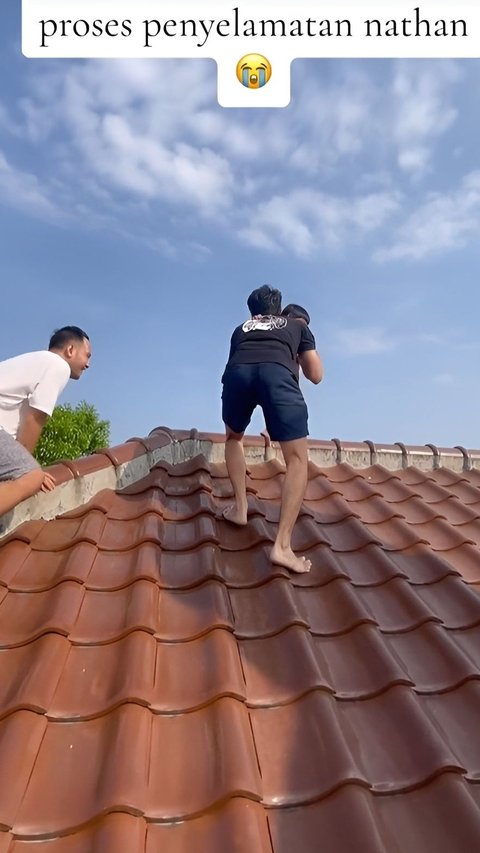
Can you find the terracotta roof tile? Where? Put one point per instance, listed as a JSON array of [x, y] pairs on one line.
[[21, 737], [424, 487], [337, 742], [42, 570], [26, 532], [96, 679], [474, 477], [371, 510], [283, 668], [239, 826], [447, 478], [421, 565], [239, 572], [347, 535], [467, 493], [465, 560], [183, 570], [441, 816], [412, 476], [392, 490], [435, 660], [164, 687], [367, 567], [30, 673], [24, 616], [393, 606], [12, 555], [456, 604], [190, 613], [66, 531], [95, 777], [110, 834], [274, 607], [128, 609], [455, 511], [337, 474], [110, 570]]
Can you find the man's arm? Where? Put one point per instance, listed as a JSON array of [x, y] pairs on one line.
[[42, 402], [311, 365], [31, 425]]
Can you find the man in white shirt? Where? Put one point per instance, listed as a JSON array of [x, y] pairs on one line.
[[30, 385]]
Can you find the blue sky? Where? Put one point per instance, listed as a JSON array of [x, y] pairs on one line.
[[133, 205]]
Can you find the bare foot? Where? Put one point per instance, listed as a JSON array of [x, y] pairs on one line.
[[285, 557], [236, 516]]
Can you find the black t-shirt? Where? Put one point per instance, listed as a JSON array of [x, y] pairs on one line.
[[270, 339]]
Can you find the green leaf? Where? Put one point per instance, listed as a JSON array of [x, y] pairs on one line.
[[72, 432]]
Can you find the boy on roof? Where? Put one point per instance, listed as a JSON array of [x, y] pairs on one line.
[[296, 312], [262, 370], [30, 385]]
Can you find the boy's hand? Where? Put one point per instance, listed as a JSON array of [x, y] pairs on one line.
[[48, 484]]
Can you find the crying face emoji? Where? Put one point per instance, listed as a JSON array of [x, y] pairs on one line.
[[254, 71]]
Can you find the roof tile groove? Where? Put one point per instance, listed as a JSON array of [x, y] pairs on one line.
[[129, 609], [24, 616], [456, 604], [59, 536], [442, 816], [165, 687], [95, 779], [421, 565], [42, 570], [465, 561], [30, 673], [392, 742]]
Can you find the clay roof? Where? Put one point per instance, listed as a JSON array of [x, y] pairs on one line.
[[165, 688]]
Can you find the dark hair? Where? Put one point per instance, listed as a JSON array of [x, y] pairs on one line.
[[296, 312], [65, 335], [264, 300]]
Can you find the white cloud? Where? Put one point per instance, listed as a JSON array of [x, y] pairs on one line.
[[305, 220], [143, 142], [369, 340], [181, 173], [279, 223], [331, 120], [422, 110], [129, 127], [24, 191], [443, 222]]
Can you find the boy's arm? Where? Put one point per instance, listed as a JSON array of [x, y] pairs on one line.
[[308, 357], [311, 365]]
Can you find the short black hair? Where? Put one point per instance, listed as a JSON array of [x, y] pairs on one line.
[[264, 300], [296, 312], [62, 337]]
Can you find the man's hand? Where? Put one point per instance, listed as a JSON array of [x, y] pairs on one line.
[[48, 484]]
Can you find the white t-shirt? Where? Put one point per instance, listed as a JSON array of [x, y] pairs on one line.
[[33, 379]]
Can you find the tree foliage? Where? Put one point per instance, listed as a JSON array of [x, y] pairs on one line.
[[72, 432]]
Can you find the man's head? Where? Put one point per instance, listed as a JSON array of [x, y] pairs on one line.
[[72, 344], [296, 312], [264, 300]]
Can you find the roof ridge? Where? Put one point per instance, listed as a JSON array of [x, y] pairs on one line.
[[125, 464]]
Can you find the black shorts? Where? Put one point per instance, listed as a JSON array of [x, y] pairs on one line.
[[272, 387]]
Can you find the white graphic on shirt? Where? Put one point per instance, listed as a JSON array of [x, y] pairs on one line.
[[264, 324]]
